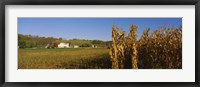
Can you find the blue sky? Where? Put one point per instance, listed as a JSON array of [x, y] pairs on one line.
[[89, 28]]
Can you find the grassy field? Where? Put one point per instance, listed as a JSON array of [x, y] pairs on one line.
[[69, 58]]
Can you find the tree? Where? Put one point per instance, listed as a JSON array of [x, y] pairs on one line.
[[85, 45], [22, 44]]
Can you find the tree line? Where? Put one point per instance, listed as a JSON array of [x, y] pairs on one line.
[[35, 41]]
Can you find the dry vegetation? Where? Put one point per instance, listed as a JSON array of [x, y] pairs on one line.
[[123, 52], [160, 49]]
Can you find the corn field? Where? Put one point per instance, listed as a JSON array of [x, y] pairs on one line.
[[159, 49]]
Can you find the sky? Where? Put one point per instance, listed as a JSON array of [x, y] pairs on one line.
[[89, 28]]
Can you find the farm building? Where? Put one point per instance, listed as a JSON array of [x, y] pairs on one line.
[[76, 46], [47, 46], [63, 45], [94, 46]]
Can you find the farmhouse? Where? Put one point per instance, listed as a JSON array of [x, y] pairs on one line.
[[76, 46], [94, 46], [63, 45]]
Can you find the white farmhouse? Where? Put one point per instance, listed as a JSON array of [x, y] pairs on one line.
[[76, 46], [94, 46], [63, 45]]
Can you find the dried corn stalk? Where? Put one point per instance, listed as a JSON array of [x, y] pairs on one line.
[[133, 34], [160, 49], [123, 47]]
